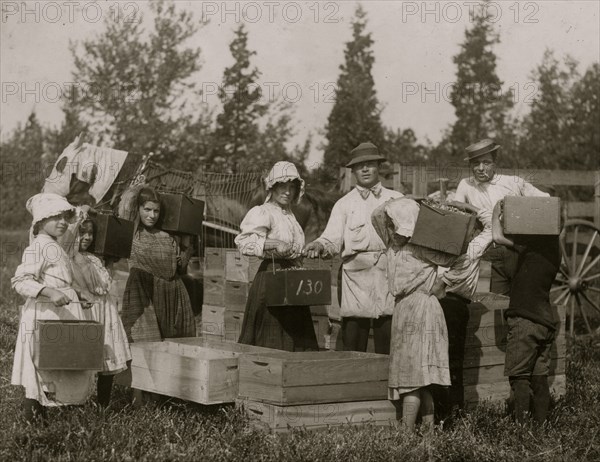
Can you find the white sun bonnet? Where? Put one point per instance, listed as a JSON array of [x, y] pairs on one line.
[[46, 205], [283, 172]]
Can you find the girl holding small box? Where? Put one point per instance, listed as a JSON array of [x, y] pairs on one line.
[[45, 278]]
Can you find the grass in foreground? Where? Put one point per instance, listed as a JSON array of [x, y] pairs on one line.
[[180, 431]]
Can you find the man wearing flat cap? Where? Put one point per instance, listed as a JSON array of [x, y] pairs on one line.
[[349, 232]]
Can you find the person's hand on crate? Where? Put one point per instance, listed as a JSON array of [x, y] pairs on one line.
[[314, 250]]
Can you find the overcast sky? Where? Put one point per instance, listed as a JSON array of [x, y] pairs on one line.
[[300, 46]]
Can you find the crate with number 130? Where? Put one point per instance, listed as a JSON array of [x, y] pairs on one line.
[[298, 287]]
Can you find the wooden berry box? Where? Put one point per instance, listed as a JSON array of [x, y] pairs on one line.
[[286, 378], [443, 230], [68, 345], [531, 215], [114, 236], [181, 214]]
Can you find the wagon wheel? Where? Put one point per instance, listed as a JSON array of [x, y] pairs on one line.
[[579, 269]]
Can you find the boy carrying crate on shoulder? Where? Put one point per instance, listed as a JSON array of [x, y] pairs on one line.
[[531, 320]]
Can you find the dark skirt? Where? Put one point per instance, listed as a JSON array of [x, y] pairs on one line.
[[288, 328], [153, 303]]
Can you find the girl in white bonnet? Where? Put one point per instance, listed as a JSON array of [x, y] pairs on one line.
[[45, 278], [419, 344], [271, 232]]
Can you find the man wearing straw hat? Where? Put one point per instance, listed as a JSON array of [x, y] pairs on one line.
[[349, 232], [483, 189]]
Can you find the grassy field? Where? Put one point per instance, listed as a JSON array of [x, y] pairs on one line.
[[179, 431]]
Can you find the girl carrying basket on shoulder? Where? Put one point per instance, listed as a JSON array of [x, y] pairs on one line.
[[93, 277], [419, 344]]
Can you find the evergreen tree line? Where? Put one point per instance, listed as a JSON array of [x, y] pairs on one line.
[[145, 99]]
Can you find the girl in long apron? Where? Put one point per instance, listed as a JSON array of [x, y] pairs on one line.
[[45, 278], [419, 345]]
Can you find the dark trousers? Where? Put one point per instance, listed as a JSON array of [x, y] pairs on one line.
[[504, 264], [456, 313], [355, 333]]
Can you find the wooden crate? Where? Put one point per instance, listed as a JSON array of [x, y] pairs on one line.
[[286, 378], [236, 295], [531, 215], [330, 264], [68, 345], [114, 236], [236, 266], [298, 287], [214, 290], [277, 419], [219, 320], [201, 375], [181, 213], [214, 262], [443, 230]]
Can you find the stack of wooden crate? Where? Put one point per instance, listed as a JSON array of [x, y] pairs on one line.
[[283, 390], [227, 280], [485, 349]]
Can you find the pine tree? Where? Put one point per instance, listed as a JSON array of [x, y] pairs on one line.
[[546, 139], [138, 92], [355, 116], [22, 171], [480, 102], [237, 125]]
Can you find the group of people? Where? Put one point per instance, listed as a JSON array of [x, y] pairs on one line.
[[418, 317], [62, 280]]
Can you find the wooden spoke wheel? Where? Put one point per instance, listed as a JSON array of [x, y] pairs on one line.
[[577, 283]]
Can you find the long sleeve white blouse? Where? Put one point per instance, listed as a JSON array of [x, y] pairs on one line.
[[268, 221]]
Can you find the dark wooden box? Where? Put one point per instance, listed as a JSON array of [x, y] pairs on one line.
[[443, 230], [298, 287], [68, 345], [181, 214], [531, 215], [113, 236]]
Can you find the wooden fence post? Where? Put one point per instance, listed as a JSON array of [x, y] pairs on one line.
[[419, 186], [397, 185]]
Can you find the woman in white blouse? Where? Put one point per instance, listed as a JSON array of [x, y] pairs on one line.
[[271, 232]]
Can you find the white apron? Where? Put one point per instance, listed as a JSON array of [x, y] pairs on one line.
[[365, 290]]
